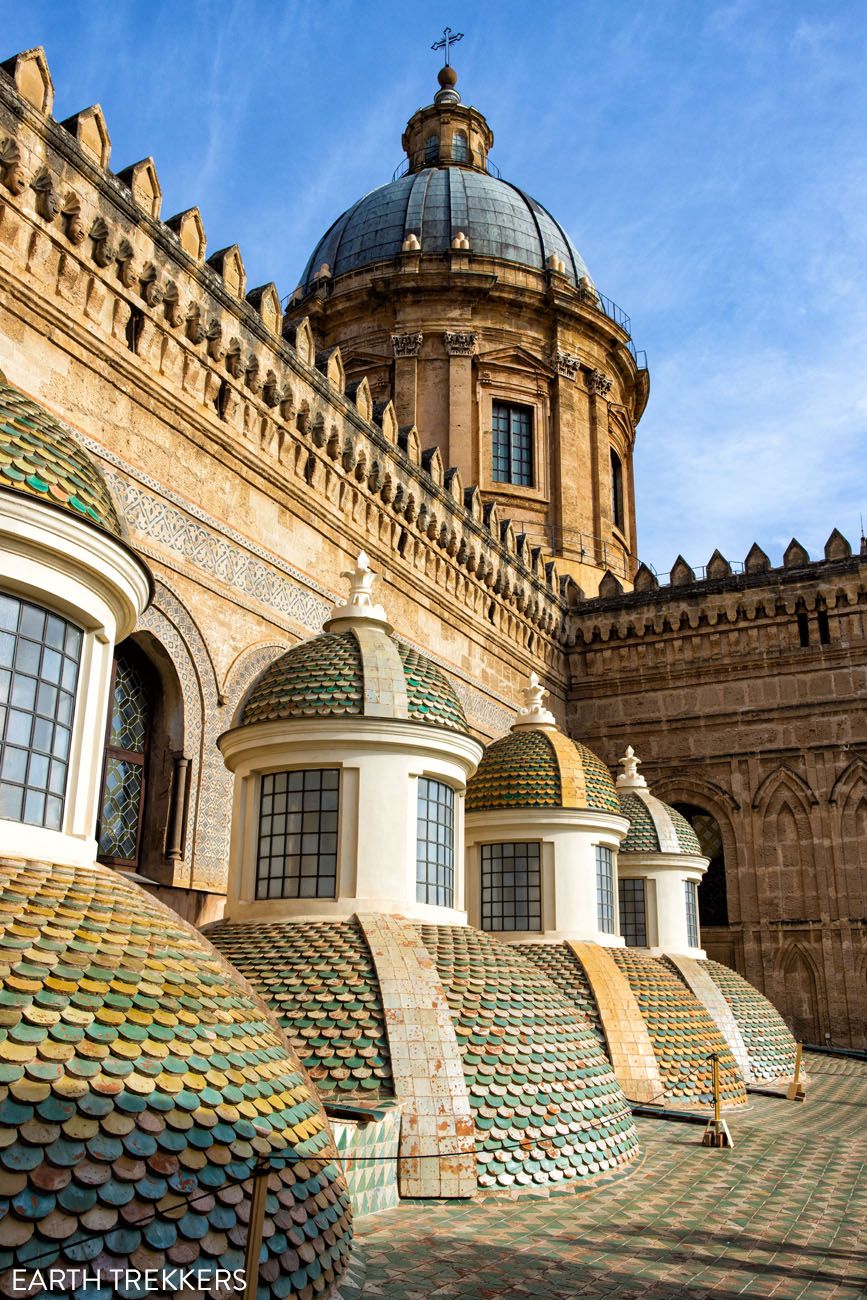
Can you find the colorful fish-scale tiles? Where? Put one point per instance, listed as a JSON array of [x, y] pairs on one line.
[[545, 1103], [318, 678], [520, 770], [643, 835], [563, 969], [682, 1033], [431, 697], [41, 458], [141, 1082], [320, 980], [770, 1046]]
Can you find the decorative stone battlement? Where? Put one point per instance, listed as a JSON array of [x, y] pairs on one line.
[[121, 278]]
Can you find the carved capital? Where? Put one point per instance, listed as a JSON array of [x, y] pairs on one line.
[[406, 345], [565, 363], [460, 343], [599, 383]]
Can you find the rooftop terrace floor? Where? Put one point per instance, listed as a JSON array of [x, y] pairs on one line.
[[783, 1214]]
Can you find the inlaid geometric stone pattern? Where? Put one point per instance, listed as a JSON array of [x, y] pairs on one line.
[[39, 457], [644, 834], [545, 1103], [770, 1046], [682, 1033], [697, 977], [141, 1081], [320, 981], [325, 677], [369, 1154], [531, 768]]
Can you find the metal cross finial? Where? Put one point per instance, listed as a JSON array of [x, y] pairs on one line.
[[449, 38]]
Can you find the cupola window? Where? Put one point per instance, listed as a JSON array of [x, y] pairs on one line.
[[617, 512], [435, 843], [431, 150], [511, 887], [460, 148], [512, 444], [605, 889], [633, 912], [39, 661], [126, 753], [298, 814], [691, 895]]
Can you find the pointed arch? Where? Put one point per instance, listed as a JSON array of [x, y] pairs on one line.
[[784, 778], [850, 797], [852, 778], [802, 992], [787, 884]]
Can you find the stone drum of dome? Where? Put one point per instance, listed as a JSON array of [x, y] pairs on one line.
[[545, 1102], [770, 1046], [142, 1083]]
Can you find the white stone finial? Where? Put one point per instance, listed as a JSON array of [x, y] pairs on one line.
[[534, 713], [360, 604], [630, 778]]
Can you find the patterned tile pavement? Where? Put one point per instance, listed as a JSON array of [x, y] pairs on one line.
[[782, 1215]]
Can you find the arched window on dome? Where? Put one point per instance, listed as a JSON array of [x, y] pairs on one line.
[[127, 749], [618, 516], [460, 147], [431, 150], [435, 843]]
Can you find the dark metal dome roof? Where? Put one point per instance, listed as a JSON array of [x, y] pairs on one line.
[[499, 220]]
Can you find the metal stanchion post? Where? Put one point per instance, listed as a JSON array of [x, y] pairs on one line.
[[717, 1132], [254, 1233]]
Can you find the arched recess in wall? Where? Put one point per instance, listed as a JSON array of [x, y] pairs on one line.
[[802, 994], [713, 908], [850, 796], [708, 809], [787, 881], [243, 673]]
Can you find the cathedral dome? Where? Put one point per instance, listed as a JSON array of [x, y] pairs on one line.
[[541, 768], [143, 1082], [654, 826], [435, 205], [355, 668], [41, 458]]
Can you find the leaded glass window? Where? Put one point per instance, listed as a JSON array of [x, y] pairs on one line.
[[690, 892], [39, 659], [460, 149], [633, 912], [126, 752], [431, 149], [511, 887], [605, 889], [297, 856], [512, 444], [435, 844]]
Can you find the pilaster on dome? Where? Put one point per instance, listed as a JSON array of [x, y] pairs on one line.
[[359, 610], [533, 713], [630, 778]]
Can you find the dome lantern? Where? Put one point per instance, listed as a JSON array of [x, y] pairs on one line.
[[447, 132]]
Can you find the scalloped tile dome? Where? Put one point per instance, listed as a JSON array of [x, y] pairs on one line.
[[651, 821], [498, 218], [325, 678], [142, 1080], [535, 768], [42, 459]]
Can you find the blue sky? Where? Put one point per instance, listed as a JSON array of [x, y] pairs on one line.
[[709, 160]]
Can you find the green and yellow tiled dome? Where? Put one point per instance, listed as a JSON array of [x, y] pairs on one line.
[[769, 1044], [338, 674], [141, 1081], [541, 768], [656, 827], [42, 459]]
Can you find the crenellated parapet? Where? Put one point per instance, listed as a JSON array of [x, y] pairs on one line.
[[87, 252]]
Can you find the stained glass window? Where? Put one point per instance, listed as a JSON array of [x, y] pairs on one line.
[[123, 787], [512, 444], [39, 658], [435, 857], [633, 913], [511, 887], [298, 814], [605, 889]]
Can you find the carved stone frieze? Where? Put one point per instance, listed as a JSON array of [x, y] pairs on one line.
[[460, 343], [406, 345]]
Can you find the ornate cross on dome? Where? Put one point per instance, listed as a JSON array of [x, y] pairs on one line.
[[630, 777], [534, 713], [449, 38]]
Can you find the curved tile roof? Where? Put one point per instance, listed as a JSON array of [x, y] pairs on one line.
[[499, 220], [656, 827], [770, 1046], [325, 677], [42, 459], [142, 1081], [535, 768]]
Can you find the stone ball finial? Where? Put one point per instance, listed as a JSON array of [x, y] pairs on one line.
[[447, 77], [630, 778], [533, 713], [359, 606]]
